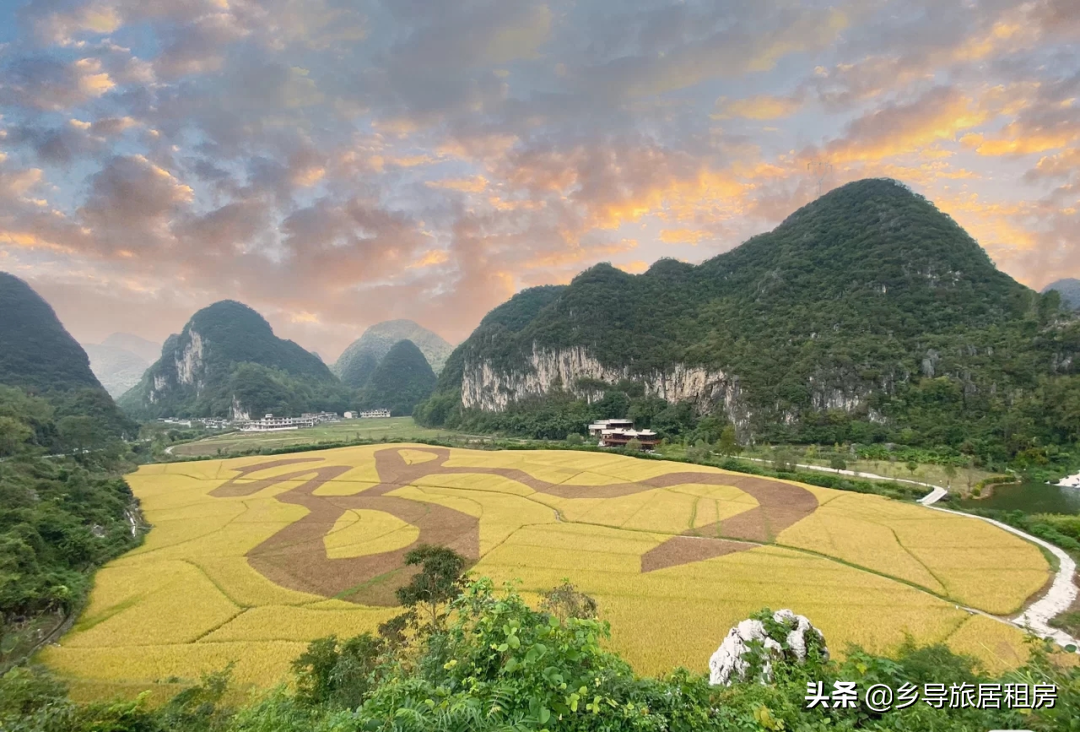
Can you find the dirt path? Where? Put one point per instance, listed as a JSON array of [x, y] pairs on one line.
[[1058, 598], [295, 557], [1036, 617]]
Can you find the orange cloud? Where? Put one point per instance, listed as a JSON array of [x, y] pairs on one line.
[[435, 256], [896, 129], [761, 107], [683, 236], [1024, 143], [635, 267]]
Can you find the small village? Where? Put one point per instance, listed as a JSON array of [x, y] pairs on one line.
[[271, 423]]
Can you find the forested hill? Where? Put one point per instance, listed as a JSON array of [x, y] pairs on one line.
[[402, 380], [39, 356], [358, 362], [866, 313], [227, 359]]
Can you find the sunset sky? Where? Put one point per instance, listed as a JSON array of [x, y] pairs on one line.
[[334, 164]]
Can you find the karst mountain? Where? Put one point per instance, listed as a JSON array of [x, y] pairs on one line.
[[40, 357], [360, 360], [227, 362], [402, 380], [867, 314]]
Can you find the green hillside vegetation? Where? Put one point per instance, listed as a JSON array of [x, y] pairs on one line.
[[1069, 289], [866, 316], [38, 355], [402, 380], [228, 351], [465, 657], [60, 518], [358, 362]]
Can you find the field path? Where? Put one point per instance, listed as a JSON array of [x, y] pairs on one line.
[[295, 556], [1036, 617]]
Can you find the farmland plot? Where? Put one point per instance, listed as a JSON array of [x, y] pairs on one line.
[[250, 558]]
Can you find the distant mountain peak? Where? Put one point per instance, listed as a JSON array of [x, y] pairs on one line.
[[360, 360], [1069, 289]]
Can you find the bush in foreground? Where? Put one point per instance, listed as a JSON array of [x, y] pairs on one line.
[[498, 664]]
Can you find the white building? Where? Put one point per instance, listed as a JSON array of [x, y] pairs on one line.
[[270, 423], [350, 415], [375, 413], [597, 428]]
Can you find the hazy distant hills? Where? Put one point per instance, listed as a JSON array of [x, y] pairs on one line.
[[228, 362], [38, 355], [120, 360], [866, 315], [358, 362], [1070, 291]]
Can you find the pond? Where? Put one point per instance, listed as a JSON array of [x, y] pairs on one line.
[[1031, 496]]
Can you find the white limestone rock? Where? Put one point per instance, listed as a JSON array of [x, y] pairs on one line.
[[749, 649]]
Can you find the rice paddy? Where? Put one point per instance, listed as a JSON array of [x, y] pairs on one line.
[[250, 558]]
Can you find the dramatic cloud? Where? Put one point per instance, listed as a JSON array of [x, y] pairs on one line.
[[334, 164]]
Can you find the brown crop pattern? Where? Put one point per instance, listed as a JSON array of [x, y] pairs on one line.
[[295, 557]]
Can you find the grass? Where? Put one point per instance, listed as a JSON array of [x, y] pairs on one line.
[[865, 569], [961, 482], [353, 430]]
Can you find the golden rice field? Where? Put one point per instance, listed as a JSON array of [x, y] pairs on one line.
[[250, 558]]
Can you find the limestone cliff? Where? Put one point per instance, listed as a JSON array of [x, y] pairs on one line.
[[227, 362]]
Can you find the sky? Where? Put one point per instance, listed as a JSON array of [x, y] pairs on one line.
[[335, 164]]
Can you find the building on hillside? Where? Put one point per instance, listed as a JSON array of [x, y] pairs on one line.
[[619, 432], [349, 415], [375, 413]]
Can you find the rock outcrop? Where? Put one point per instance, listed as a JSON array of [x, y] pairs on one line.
[[753, 648]]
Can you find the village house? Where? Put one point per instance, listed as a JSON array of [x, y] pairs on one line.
[[375, 413], [619, 432]]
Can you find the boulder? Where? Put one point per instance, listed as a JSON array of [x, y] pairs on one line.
[[753, 647]]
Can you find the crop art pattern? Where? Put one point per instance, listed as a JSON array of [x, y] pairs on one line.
[[252, 557], [295, 556]]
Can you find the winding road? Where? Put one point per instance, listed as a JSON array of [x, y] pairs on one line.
[[1036, 617]]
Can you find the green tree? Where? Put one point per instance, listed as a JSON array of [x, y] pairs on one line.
[[438, 581], [565, 601], [337, 673], [14, 435], [950, 473], [728, 444]]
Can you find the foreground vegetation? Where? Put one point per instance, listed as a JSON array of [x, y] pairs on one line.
[[472, 659], [61, 517]]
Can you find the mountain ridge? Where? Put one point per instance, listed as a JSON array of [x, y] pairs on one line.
[[39, 356], [228, 362], [834, 325]]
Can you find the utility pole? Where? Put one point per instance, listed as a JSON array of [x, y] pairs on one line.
[[819, 169]]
